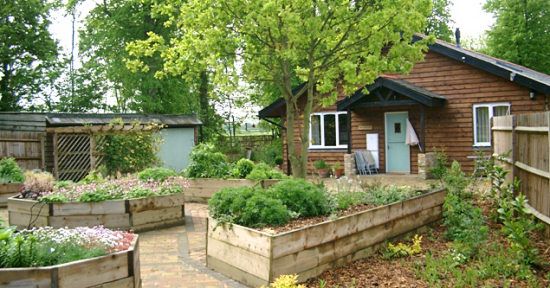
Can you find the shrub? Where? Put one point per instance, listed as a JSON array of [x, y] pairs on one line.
[[206, 162], [263, 171], [38, 182], [302, 197], [10, 172], [404, 250], [262, 210], [247, 206], [132, 151], [156, 174], [243, 168], [440, 166]]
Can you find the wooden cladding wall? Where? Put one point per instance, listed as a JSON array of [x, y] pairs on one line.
[[525, 140], [27, 147], [449, 128]]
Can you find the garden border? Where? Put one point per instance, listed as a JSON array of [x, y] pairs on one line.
[[141, 214], [119, 269], [257, 258], [8, 190]]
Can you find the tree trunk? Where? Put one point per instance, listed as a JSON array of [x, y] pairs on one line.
[[203, 103], [7, 100]]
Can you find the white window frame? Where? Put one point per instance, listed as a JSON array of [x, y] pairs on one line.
[[490, 107], [337, 124]]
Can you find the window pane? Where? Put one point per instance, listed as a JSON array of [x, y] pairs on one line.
[[343, 128], [315, 130], [482, 124], [330, 130], [500, 111]]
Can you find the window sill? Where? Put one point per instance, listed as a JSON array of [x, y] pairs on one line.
[[329, 149]]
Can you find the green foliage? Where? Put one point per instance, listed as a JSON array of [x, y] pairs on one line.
[[439, 20], [346, 199], [404, 250], [156, 174], [243, 168], [10, 172], [320, 164], [378, 194], [465, 223], [93, 176], [286, 281], [169, 190], [262, 210], [263, 171], [130, 152], [520, 33], [301, 197], [54, 198], [139, 193], [271, 153], [247, 206], [27, 51], [63, 184], [207, 162], [440, 166], [275, 42], [97, 195]]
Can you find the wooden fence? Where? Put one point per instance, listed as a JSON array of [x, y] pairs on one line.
[[27, 147], [526, 141]]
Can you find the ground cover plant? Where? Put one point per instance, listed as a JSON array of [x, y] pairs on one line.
[[10, 172], [47, 246], [484, 240], [292, 203]]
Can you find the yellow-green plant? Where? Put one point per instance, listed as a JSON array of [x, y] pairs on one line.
[[404, 250], [286, 281]]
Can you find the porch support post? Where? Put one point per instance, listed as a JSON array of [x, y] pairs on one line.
[[422, 128], [349, 130]]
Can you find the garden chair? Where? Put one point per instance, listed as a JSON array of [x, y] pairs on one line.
[[360, 163], [369, 162]]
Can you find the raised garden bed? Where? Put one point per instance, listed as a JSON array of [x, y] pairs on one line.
[[8, 190], [256, 257], [135, 214], [118, 269], [200, 190]]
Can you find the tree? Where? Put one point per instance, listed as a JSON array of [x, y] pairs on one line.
[[521, 33], [27, 49], [439, 21], [332, 46]]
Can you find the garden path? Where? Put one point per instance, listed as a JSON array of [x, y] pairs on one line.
[[176, 257]]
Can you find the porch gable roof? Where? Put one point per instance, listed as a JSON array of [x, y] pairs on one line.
[[416, 94]]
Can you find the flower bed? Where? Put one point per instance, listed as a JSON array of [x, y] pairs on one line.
[[81, 257], [257, 257], [120, 204]]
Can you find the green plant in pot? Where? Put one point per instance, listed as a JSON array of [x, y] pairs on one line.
[[322, 168], [338, 170]]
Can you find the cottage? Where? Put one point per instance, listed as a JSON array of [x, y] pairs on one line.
[[62, 143], [448, 100]]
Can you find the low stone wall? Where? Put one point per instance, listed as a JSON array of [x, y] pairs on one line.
[[200, 190], [116, 270], [8, 190], [257, 258], [135, 214]]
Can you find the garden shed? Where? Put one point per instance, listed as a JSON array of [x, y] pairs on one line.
[[65, 144]]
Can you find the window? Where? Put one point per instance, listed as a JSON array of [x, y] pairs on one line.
[[329, 130], [482, 121]]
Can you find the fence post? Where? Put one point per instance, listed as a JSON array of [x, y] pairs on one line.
[[515, 148], [55, 156]]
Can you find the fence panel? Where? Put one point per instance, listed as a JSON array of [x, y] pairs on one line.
[[26, 147], [527, 140]]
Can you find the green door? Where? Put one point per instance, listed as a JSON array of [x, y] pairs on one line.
[[397, 152]]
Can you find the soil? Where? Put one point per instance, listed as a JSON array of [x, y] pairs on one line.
[[377, 271]]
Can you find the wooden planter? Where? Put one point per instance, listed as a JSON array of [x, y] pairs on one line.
[[256, 258], [8, 190], [120, 269], [200, 190], [136, 214]]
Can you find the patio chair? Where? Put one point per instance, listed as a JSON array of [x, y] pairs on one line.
[[369, 162], [360, 163]]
